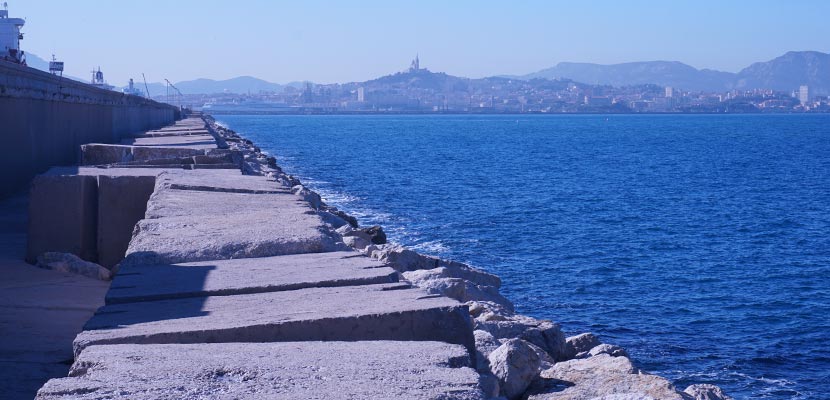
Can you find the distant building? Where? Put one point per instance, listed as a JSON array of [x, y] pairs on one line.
[[598, 101], [361, 94], [415, 65], [804, 95], [670, 91]]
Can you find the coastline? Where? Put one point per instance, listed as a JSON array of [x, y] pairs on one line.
[[503, 339]]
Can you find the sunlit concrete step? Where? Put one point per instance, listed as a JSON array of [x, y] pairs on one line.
[[370, 312], [295, 370], [246, 276]]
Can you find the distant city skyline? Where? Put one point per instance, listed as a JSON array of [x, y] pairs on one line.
[[338, 42]]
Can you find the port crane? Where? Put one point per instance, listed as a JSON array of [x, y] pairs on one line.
[[177, 96]]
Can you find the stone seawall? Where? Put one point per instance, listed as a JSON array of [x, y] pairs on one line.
[[44, 119], [236, 281]]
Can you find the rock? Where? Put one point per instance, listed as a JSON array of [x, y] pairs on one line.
[[485, 344], [441, 279], [601, 376], [489, 385], [308, 195], [516, 364], [542, 333], [332, 219], [403, 259], [478, 308], [610, 349], [485, 293], [580, 345], [355, 242], [65, 262], [376, 234], [545, 360], [706, 392], [346, 217], [434, 282]]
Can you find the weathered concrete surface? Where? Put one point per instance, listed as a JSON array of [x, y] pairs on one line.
[[122, 201], [191, 141], [187, 226], [40, 311], [218, 181], [297, 370], [98, 154], [371, 312], [247, 275], [63, 216], [228, 199]]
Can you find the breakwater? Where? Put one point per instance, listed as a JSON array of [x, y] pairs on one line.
[[238, 281], [45, 119]]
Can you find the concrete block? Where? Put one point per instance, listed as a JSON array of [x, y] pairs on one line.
[[100, 154], [96, 154], [63, 214], [228, 166], [296, 370], [199, 198], [188, 225], [246, 275], [351, 313], [194, 141], [262, 233], [122, 201], [162, 152], [218, 181]]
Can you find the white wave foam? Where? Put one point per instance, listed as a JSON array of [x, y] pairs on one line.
[[433, 247]]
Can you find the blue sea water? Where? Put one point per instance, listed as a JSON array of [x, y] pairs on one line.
[[701, 244]]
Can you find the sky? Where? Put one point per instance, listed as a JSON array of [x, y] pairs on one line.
[[345, 41]]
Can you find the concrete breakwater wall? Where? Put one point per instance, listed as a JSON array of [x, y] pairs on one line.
[[239, 282], [44, 119]]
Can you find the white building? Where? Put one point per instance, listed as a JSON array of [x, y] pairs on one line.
[[804, 95], [670, 91], [10, 37], [361, 94]]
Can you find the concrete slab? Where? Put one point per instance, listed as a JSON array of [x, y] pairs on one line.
[[218, 181], [247, 275], [225, 235], [63, 216], [182, 132], [298, 370], [195, 141], [99, 154], [169, 202], [351, 313]]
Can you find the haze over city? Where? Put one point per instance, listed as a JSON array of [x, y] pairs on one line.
[[341, 42]]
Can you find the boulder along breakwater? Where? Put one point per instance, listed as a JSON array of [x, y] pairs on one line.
[[232, 279]]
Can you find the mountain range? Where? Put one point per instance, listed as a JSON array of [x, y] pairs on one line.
[[784, 73]]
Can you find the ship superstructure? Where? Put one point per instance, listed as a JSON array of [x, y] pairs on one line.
[[10, 37], [98, 80]]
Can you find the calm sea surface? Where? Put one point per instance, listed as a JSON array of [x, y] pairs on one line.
[[699, 243]]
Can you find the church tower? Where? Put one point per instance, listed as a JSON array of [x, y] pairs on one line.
[[415, 66]]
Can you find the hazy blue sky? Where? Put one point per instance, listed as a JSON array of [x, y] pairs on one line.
[[284, 41]]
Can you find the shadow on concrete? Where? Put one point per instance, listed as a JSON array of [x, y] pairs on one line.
[[172, 282], [189, 282]]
